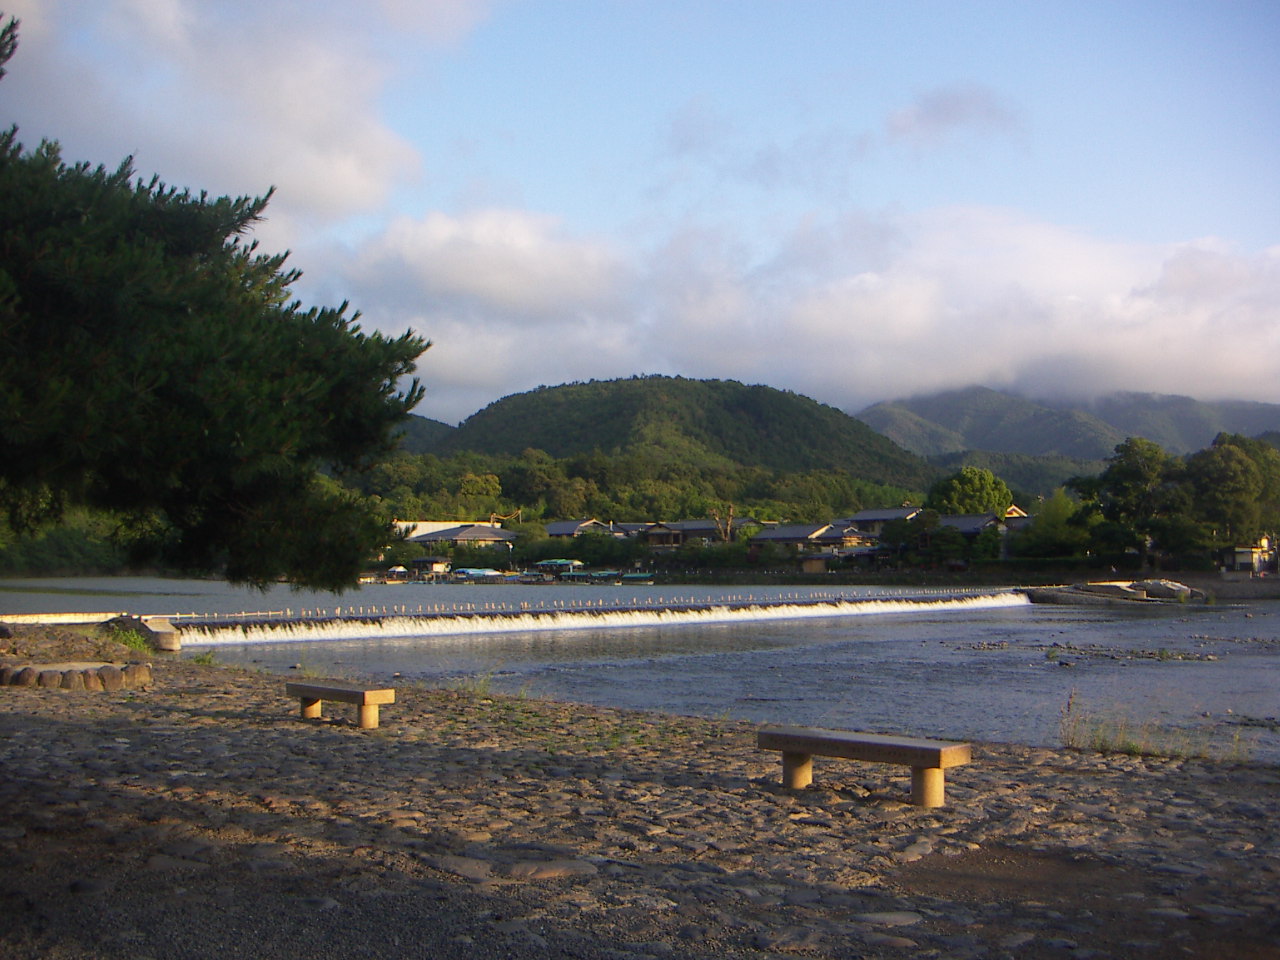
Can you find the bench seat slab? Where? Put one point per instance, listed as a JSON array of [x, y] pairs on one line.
[[926, 758], [346, 692], [871, 747], [367, 701]]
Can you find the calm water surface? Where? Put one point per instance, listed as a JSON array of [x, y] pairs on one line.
[[999, 673]]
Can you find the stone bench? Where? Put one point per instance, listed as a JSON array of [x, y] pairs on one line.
[[314, 694], [926, 758]]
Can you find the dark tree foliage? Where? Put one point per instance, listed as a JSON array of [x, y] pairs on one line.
[[155, 366], [629, 486], [1236, 485], [1225, 495], [970, 490]]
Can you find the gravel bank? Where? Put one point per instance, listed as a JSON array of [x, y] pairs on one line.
[[200, 818]]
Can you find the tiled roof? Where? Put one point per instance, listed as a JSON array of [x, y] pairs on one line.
[[474, 532]]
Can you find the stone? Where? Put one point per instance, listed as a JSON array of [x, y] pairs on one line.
[[889, 918], [73, 680], [49, 679], [551, 869], [137, 675], [469, 868], [112, 678], [889, 940]]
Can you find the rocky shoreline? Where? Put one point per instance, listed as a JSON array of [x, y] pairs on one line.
[[199, 817]]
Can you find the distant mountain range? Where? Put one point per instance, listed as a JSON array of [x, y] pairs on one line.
[[1034, 445], [978, 418]]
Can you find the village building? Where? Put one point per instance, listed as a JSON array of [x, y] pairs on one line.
[[467, 535]]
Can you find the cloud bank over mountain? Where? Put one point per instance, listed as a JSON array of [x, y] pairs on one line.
[[842, 199]]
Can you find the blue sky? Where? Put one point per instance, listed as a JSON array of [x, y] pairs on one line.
[[856, 201]]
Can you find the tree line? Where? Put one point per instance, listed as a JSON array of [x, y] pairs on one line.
[[634, 485], [1161, 508]]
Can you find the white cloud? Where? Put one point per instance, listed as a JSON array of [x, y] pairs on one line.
[[493, 264], [971, 295], [508, 299], [849, 311], [250, 95]]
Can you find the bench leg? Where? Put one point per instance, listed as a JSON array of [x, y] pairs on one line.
[[927, 786], [797, 770], [310, 708], [368, 716]]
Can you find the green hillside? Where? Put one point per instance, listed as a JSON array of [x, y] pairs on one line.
[[677, 419], [978, 418], [1182, 424], [911, 431], [422, 434]]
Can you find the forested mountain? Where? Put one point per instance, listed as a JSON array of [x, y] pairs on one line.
[[1181, 424], [978, 418], [422, 434], [694, 421]]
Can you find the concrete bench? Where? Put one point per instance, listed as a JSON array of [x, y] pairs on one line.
[[313, 694], [926, 758]]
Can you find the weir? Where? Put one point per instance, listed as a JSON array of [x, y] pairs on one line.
[[400, 624]]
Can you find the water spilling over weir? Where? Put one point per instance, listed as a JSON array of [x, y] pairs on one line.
[[454, 620]]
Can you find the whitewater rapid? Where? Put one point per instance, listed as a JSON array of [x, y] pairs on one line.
[[455, 624]]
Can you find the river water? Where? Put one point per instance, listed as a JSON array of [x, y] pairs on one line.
[[988, 666]]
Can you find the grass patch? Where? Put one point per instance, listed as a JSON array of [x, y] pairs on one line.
[[131, 638], [478, 685], [205, 659], [1113, 731]]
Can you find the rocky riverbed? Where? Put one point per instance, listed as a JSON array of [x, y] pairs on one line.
[[199, 817]]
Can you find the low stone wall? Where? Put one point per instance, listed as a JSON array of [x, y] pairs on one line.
[[1252, 588], [93, 677]]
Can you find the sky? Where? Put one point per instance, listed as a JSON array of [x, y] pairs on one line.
[[856, 201]]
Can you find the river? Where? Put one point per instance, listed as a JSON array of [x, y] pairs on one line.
[[988, 666]]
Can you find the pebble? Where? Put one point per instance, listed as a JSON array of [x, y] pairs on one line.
[[673, 833]]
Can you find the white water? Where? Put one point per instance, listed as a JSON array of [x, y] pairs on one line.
[[295, 631]]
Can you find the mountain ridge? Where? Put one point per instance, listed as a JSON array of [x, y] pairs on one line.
[[676, 418], [1034, 445], [980, 418]]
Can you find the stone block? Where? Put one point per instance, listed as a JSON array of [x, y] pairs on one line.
[[137, 675]]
